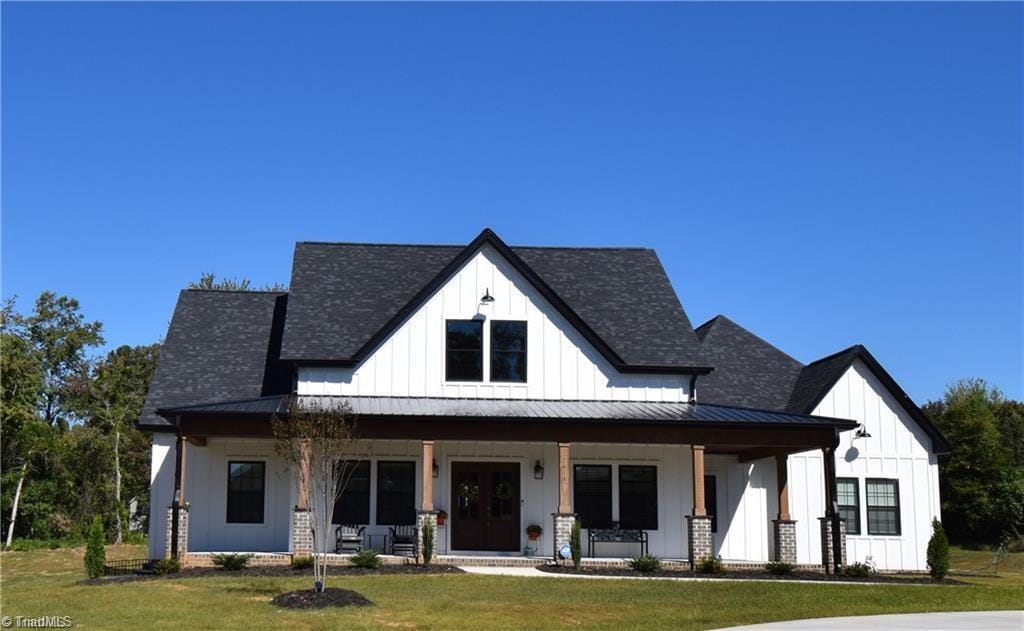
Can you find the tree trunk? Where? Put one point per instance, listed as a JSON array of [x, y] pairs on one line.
[[17, 498], [117, 483]]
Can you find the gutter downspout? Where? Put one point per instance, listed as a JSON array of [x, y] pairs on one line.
[[176, 503], [693, 388]]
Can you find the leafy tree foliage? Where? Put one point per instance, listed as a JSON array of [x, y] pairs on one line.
[[982, 481], [67, 422], [208, 280]]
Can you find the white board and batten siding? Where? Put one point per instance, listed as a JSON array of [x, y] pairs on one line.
[[897, 449], [561, 364]]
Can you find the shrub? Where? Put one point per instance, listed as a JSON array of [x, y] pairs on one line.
[[938, 552], [710, 565], [574, 544], [95, 552], [645, 564], [302, 562], [857, 570], [231, 562], [428, 542], [368, 559], [779, 568], [167, 566]]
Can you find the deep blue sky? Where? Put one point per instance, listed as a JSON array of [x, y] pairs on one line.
[[824, 174]]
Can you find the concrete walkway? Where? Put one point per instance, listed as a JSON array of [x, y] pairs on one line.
[[534, 572], [952, 621]]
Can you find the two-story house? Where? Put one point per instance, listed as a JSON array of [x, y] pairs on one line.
[[509, 386]]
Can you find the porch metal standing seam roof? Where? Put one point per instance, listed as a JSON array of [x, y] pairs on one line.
[[524, 409]]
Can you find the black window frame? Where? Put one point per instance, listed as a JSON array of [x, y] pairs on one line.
[[641, 510], [448, 350], [495, 352], [398, 514], [895, 510], [232, 506], [359, 505], [711, 499], [586, 515], [850, 512]]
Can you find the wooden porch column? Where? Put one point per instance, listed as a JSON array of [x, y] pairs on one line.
[[699, 508], [564, 503], [181, 472], [782, 477], [427, 503], [302, 501]]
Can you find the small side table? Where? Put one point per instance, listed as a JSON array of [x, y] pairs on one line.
[[383, 542]]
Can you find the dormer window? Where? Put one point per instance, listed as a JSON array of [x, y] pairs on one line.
[[508, 351], [464, 350]]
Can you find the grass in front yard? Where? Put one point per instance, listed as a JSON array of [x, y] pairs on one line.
[[44, 583]]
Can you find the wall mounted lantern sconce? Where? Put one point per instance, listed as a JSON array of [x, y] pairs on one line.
[[538, 471], [434, 469]]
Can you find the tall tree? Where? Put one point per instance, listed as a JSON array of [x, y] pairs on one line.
[[22, 386], [973, 476], [110, 398], [61, 338]]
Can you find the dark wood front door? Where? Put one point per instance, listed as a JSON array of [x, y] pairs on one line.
[[485, 502]]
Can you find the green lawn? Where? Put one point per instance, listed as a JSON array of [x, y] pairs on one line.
[[43, 583]]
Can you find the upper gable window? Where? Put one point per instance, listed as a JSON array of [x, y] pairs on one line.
[[508, 351], [464, 350]]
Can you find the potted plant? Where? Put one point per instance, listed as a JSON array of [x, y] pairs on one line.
[[442, 517], [533, 531]]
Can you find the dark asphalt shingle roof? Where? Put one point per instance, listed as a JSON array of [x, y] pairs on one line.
[[749, 371], [342, 295], [221, 345], [817, 378]]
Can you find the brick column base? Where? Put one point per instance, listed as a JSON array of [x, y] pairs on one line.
[[562, 528], [422, 519], [826, 542], [701, 542], [785, 540], [302, 532], [182, 531]]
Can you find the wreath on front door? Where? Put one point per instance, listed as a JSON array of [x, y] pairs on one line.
[[503, 491], [469, 490]]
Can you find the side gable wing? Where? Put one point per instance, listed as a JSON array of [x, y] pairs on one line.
[[818, 378]]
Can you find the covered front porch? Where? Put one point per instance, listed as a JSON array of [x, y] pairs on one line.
[[711, 485]]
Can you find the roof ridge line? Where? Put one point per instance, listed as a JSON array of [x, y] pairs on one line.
[[281, 292], [853, 347]]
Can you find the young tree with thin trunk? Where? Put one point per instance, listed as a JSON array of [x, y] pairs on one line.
[[317, 437]]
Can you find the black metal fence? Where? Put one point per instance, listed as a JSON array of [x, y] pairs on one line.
[[126, 566]]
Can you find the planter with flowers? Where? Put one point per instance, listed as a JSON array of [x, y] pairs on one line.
[[533, 531], [442, 517]]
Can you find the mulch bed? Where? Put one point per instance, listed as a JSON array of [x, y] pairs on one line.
[[276, 570], [330, 597], [797, 575]]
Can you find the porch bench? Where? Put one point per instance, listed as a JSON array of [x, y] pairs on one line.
[[616, 534]]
